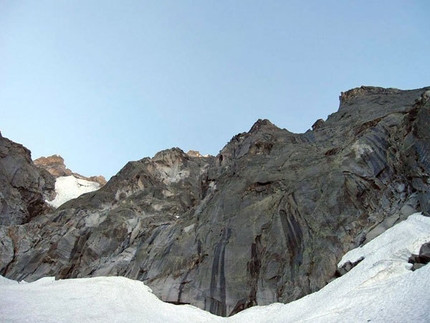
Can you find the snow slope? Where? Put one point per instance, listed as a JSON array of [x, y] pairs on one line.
[[381, 288], [70, 187]]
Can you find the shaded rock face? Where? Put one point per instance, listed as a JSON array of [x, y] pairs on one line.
[[23, 187], [267, 220]]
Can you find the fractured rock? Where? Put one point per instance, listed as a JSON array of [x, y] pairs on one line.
[[23, 187], [266, 220]]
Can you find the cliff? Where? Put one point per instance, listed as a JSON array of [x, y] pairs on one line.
[[266, 220]]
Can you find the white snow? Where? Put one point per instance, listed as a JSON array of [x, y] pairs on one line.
[[381, 288], [70, 187], [101, 299]]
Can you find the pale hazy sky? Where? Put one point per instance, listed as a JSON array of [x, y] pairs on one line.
[[104, 82]]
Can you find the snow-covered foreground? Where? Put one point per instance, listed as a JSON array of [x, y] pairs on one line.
[[381, 288], [101, 299], [70, 187]]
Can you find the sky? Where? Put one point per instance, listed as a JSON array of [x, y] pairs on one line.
[[105, 82]]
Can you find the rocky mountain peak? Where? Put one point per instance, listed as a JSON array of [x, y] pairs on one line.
[[365, 91], [263, 125], [381, 96], [170, 155], [68, 185], [267, 220], [55, 166], [195, 153], [259, 140]]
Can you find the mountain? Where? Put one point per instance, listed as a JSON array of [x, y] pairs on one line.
[[266, 220], [23, 187], [55, 166], [381, 288], [68, 185]]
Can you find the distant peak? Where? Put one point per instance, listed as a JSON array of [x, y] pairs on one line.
[[55, 166], [262, 124], [54, 159], [168, 153]]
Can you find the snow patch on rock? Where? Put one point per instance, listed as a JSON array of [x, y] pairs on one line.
[[381, 288], [70, 187]]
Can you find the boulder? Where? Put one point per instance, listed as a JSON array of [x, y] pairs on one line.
[[424, 254], [423, 257]]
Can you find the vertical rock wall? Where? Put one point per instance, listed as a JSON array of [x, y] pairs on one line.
[[265, 221], [23, 187]]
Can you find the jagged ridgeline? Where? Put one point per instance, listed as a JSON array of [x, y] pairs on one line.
[[265, 221]]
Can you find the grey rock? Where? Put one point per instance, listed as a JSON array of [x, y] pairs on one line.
[[422, 259], [266, 220], [425, 253], [347, 266], [23, 187]]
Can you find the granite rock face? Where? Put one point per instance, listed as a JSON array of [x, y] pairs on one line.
[[23, 187], [267, 220]]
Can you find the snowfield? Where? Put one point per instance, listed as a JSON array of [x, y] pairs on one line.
[[70, 187], [381, 288]]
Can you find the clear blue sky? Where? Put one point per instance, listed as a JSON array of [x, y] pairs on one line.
[[104, 82]]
